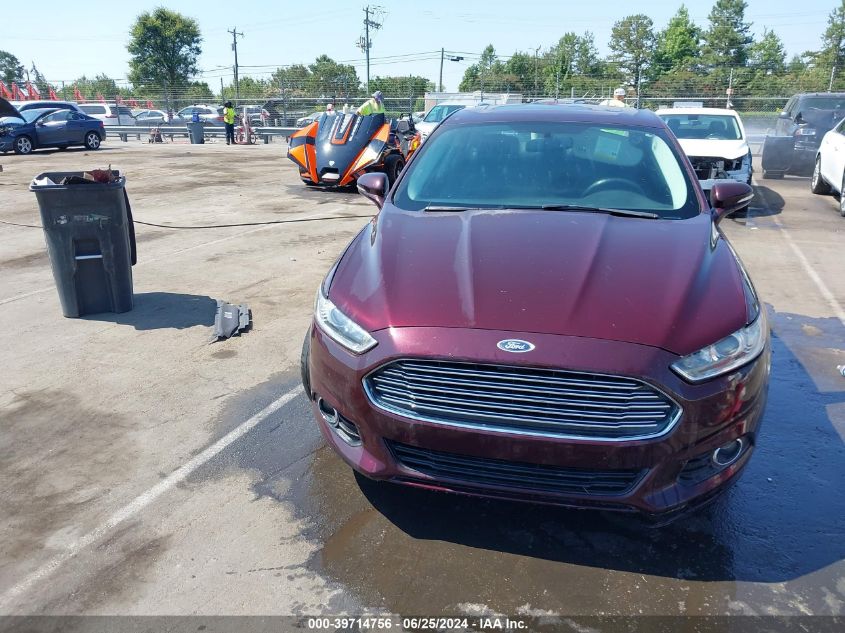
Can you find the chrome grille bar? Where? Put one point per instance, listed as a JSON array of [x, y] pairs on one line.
[[522, 400]]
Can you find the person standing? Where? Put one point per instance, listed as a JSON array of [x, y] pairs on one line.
[[229, 122], [618, 100], [373, 105]]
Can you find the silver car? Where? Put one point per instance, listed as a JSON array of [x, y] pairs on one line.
[[109, 114], [150, 118], [209, 115]]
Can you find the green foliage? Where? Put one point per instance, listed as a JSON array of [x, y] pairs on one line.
[[727, 41], [768, 55], [90, 88], [249, 88], [402, 86], [633, 42], [678, 45], [11, 70], [164, 47]]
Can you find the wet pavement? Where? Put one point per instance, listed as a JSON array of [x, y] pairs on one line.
[[276, 523]]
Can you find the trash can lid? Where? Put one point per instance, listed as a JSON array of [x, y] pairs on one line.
[[53, 180]]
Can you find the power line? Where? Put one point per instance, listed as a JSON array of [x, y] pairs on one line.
[[365, 43], [235, 35]]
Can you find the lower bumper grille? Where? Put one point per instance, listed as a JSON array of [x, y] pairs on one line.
[[464, 469]]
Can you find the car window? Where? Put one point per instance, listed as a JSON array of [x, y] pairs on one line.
[[30, 115], [74, 116], [530, 164], [824, 103], [723, 127], [124, 110], [440, 112], [61, 115], [93, 109]]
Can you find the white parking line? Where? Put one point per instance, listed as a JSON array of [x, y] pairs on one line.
[[808, 268], [174, 253], [143, 500]]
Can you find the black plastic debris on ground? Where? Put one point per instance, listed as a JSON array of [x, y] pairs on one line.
[[230, 320]]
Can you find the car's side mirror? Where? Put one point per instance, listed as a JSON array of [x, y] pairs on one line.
[[373, 187], [783, 115], [727, 197], [799, 118]]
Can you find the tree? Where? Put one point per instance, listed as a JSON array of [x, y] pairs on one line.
[[249, 88], [90, 88], [485, 73], [293, 79], [329, 78], [678, 45], [632, 42], [832, 54], [11, 70], [768, 55], [164, 47], [728, 38]]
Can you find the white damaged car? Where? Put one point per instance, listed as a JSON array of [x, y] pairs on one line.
[[714, 140]]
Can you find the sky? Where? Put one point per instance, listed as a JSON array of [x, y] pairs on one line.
[[78, 41]]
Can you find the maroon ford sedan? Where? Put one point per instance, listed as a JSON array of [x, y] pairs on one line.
[[544, 309]]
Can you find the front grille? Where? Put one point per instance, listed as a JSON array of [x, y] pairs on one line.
[[467, 470], [522, 400]]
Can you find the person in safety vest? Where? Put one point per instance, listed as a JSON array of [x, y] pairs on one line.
[[374, 105], [618, 100], [229, 121]]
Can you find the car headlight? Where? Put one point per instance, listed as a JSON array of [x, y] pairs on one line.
[[4, 130], [731, 352], [340, 327], [805, 131]]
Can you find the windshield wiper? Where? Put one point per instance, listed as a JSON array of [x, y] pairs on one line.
[[621, 212], [435, 207]]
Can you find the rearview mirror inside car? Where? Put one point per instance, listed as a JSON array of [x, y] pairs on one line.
[[373, 187], [727, 197]]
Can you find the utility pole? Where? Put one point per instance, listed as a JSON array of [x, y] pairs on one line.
[[235, 35], [365, 43], [832, 75], [536, 51], [442, 55], [730, 89]]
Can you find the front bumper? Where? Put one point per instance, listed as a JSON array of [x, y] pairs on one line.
[[713, 414]]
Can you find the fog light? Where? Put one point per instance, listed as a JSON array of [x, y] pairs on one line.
[[328, 412], [727, 454]]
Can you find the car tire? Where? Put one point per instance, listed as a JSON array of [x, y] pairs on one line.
[[393, 166], [304, 359], [92, 141], [773, 175], [842, 198], [817, 184], [23, 145]]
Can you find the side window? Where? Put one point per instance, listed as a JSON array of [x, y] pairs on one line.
[[840, 127], [72, 116], [61, 115]]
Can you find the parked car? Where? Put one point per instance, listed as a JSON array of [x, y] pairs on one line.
[[435, 116], [544, 309], [829, 169], [714, 140], [109, 114], [150, 118], [22, 106], [798, 131], [307, 120], [23, 132], [208, 115], [257, 114]]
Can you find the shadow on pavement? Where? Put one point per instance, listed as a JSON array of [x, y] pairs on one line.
[[780, 522], [164, 310]]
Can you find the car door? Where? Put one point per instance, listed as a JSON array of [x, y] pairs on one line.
[[77, 125], [52, 129], [832, 153]]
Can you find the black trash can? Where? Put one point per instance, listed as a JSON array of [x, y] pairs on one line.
[[91, 242], [196, 131]]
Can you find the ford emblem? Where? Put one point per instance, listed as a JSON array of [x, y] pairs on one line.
[[515, 345]]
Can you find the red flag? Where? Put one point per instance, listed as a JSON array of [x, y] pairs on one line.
[[77, 95], [119, 100], [32, 91], [150, 105], [53, 96], [101, 98], [16, 93], [4, 91], [133, 103]]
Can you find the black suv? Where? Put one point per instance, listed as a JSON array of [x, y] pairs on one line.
[[798, 132]]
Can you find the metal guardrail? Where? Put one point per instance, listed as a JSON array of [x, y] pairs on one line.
[[125, 131]]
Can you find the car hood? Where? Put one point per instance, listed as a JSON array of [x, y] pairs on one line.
[[8, 110], [652, 282], [716, 149]]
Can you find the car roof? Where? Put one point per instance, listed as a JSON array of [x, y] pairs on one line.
[[575, 112], [718, 111], [820, 94], [452, 103]]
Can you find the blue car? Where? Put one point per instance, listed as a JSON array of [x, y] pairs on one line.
[[23, 132]]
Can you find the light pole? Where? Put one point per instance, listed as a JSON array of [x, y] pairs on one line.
[[536, 51], [451, 58]]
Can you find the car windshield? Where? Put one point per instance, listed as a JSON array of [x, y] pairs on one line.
[[824, 103], [440, 112], [721, 127], [537, 164], [30, 115]]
